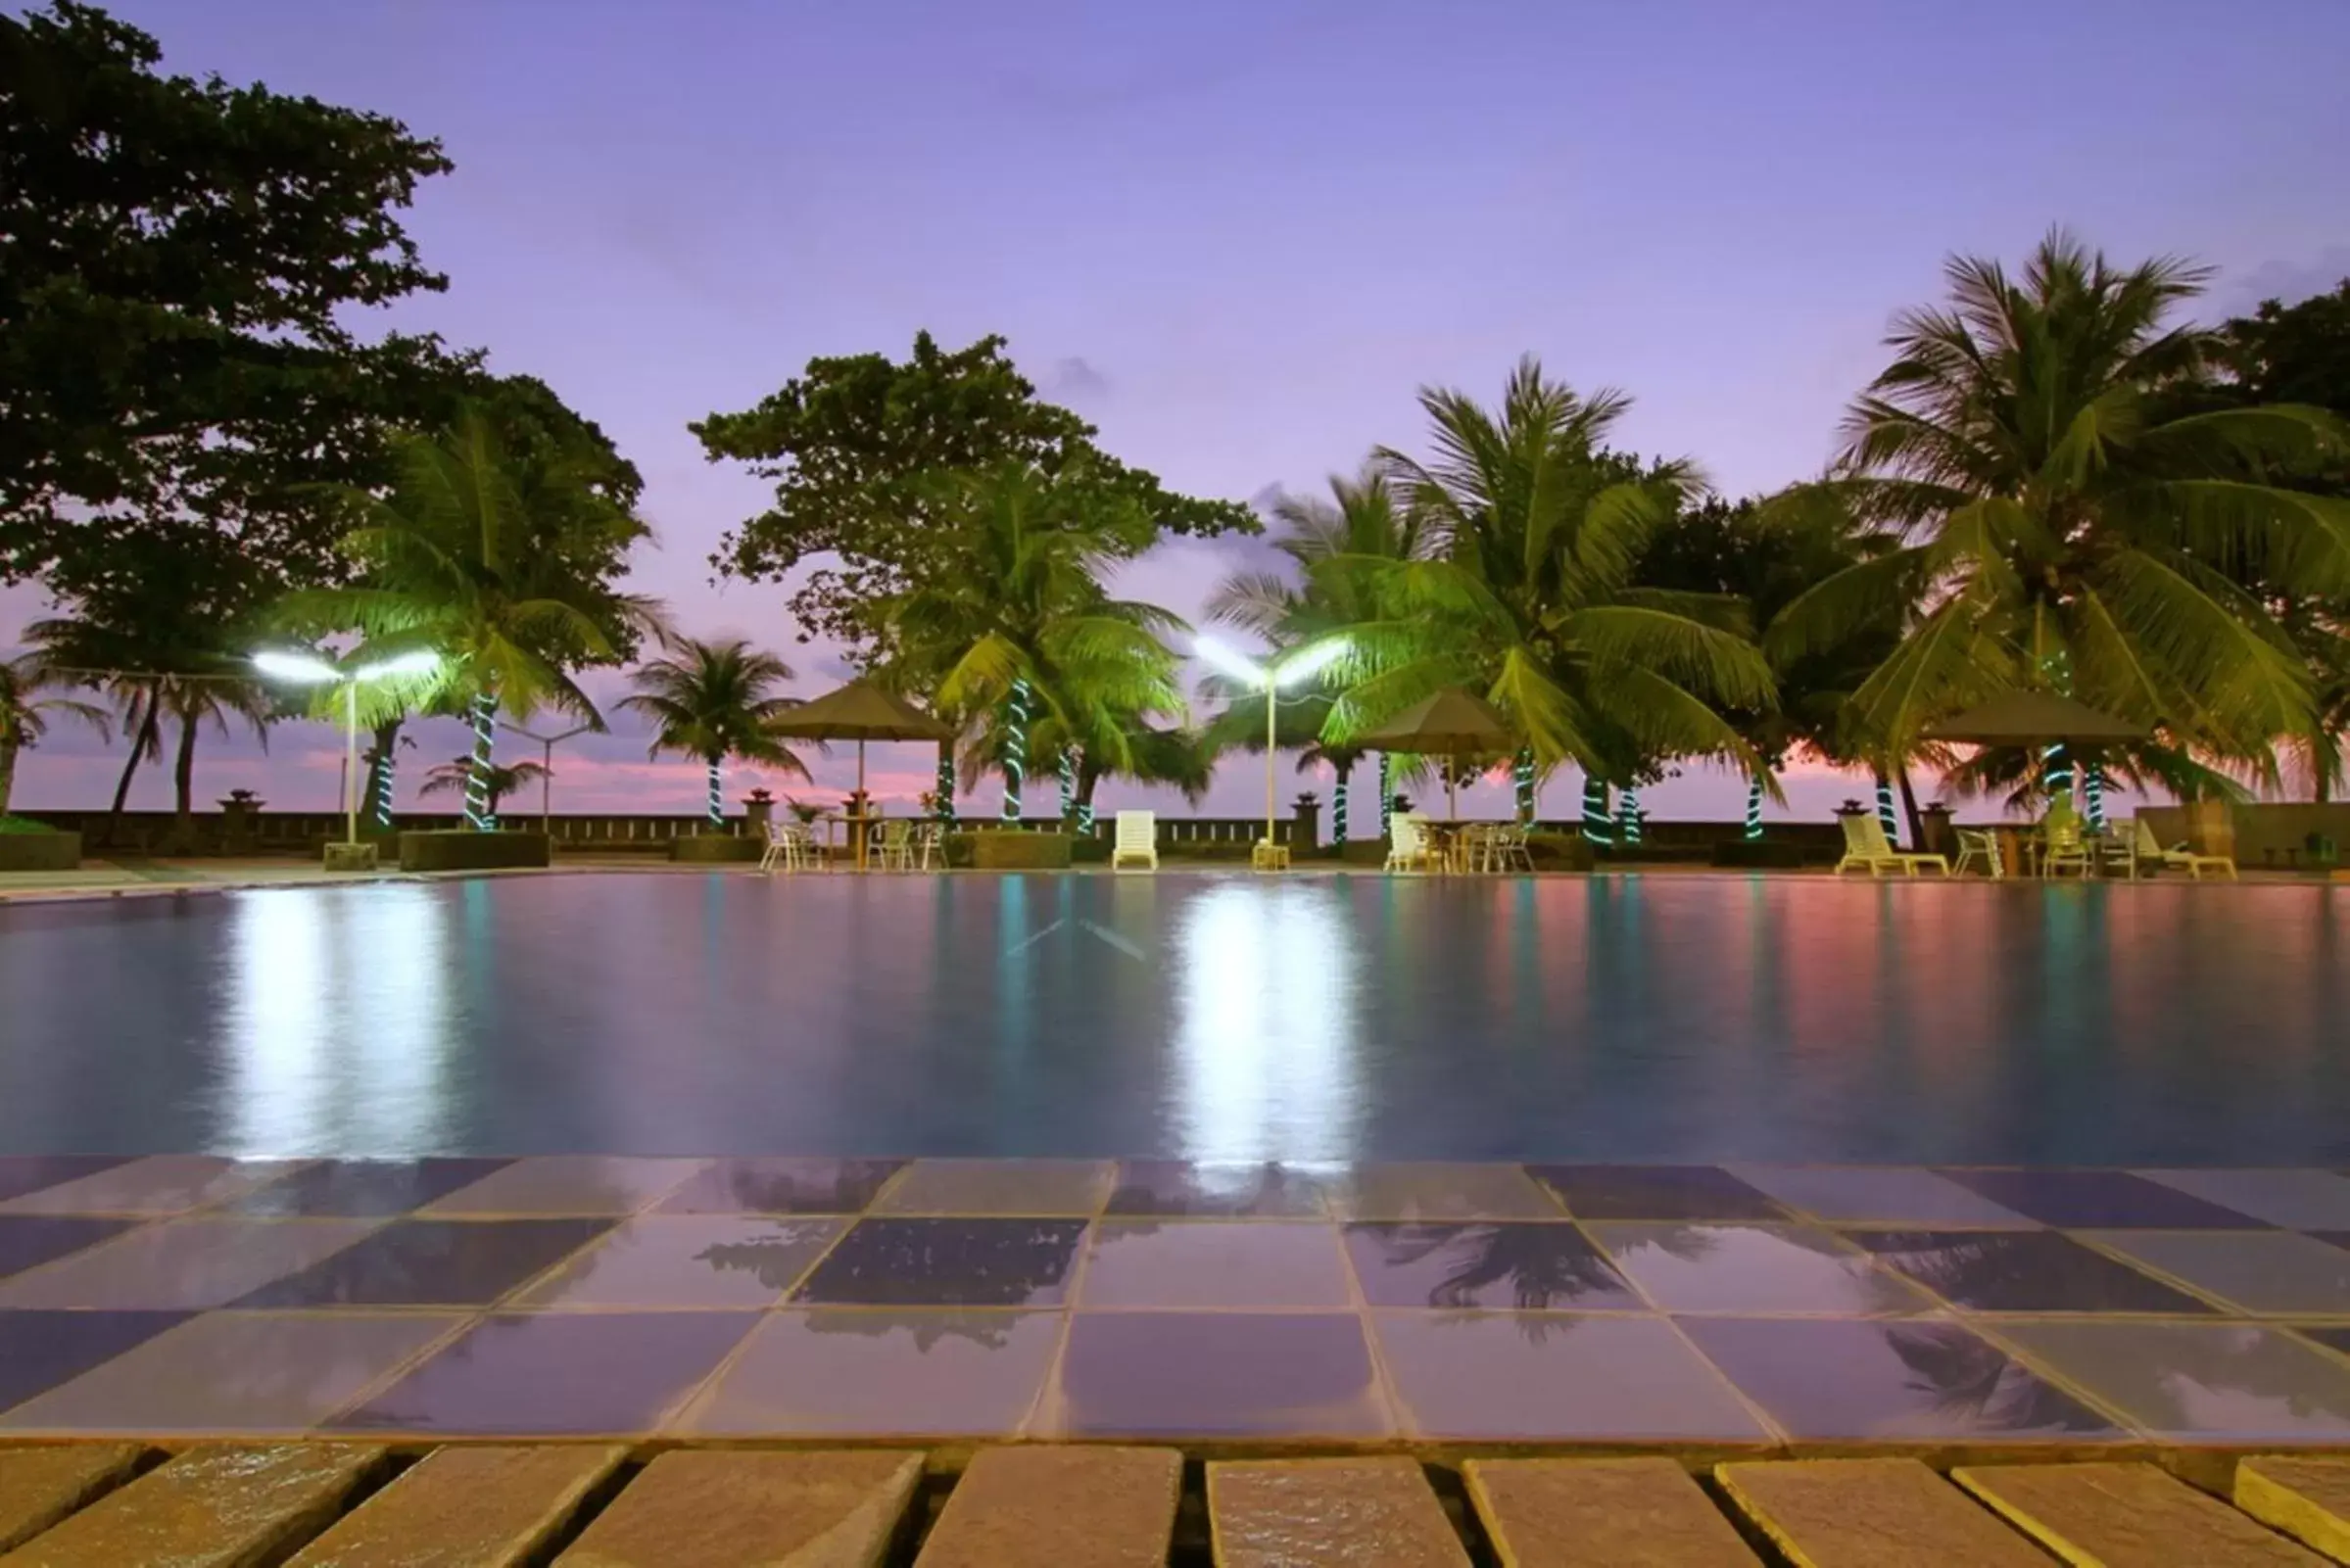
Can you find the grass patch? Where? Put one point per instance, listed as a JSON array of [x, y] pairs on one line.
[[23, 825]]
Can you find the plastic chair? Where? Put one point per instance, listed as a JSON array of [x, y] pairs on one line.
[[896, 845], [1980, 844], [1868, 849], [1409, 847], [1137, 841], [2063, 847]]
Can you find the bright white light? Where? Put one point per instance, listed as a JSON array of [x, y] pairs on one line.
[[296, 667], [1308, 660], [421, 662], [1231, 663]]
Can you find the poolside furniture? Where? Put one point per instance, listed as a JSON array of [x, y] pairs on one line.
[[1410, 846], [1868, 849], [1137, 841], [894, 845], [2063, 847], [1980, 844], [930, 840], [1502, 848], [2145, 848], [791, 846]]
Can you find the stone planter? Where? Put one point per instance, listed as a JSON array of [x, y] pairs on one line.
[[462, 849], [237, 826], [341, 855], [50, 852], [715, 849], [1013, 850], [757, 816]]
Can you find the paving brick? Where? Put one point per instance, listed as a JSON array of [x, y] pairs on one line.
[[211, 1508], [718, 1509], [487, 1508], [1872, 1513], [1328, 1513], [1602, 1513], [2128, 1516], [2307, 1500], [38, 1487], [1074, 1507]]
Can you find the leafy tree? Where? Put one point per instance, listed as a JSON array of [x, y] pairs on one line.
[[715, 702], [857, 447], [179, 261], [2065, 528], [490, 784], [25, 714], [1529, 594], [1022, 630], [454, 562]]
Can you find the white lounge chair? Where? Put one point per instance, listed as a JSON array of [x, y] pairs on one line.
[[1868, 849], [1137, 841], [2146, 850], [1410, 846]]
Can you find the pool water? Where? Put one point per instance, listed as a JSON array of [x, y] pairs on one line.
[[1201, 1016]]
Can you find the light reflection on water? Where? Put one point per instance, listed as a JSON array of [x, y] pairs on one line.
[[1202, 1016]]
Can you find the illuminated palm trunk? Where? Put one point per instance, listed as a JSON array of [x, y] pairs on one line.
[[945, 785], [1016, 748], [1886, 818], [717, 801], [1386, 798], [2092, 780], [1338, 804], [481, 807], [1627, 818], [380, 772], [1754, 810], [1069, 782], [1596, 828], [1524, 776]]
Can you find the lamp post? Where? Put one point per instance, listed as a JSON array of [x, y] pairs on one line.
[[547, 745], [305, 669], [1282, 670]]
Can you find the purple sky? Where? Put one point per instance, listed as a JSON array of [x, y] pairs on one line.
[[1239, 235]]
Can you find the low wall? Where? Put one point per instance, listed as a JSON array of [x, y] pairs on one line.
[[60, 851], [2264, 833]]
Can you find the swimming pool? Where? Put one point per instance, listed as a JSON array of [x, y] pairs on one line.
[[1202, 1016]]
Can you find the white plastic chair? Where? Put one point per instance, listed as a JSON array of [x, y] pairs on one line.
[[930, 840], [1980, 844], [792, 846], [1138, 840], [1507, 850], [1409, 847]]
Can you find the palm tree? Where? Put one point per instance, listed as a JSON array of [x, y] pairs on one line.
[[714, 702], [2065, 526], [1529, 593], [495, 782], [25, 715], [1332, 544], [1025, 630], [457, 562]]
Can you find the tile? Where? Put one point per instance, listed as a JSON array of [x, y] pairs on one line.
[[1142, 1262], [1753, 1268], [835, 1371], [576, 1373], [2307, 1500], [1040, 1187], [1504, 1376], [1879, 1195], [2125, 1516], [235, 1372], [40, 1350], [1215, 1374], [1073, 1507], [684, 1261], [40, 1486], [183, 1263], [1832, 1379], [754, 1510], [1529, 1267], [21, 1174], [216, 1506], [2298, 1199], [2267, 1272], [380, 1189], [2020, 1272], [1440, 1192], [1871, 1513], [160, 1184], [1289, 1513], [2234, 1382], [782, 1187], [432, 1263], [946, 1263], [1657, 1192], [467, 1507], [568, 1184], [1602, 1513], [1167, 1188], [2098, 1200], [27, 1241]]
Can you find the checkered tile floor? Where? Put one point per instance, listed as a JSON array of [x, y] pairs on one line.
[[945, 1299]]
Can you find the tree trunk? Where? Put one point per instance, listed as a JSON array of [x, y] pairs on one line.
[[481, 805], [182, 840], [717, 804], [381, 772], [945, 785], [8, 776], [1016, 748], [1598, 832], [1909, 809], [1089, 779], [1885, 808], [1755, 794], [1338, 801], [1386, 798], [142, 736]]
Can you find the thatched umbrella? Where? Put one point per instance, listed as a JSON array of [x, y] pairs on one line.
[[860, 711], [1451, 724], [2034, 719]]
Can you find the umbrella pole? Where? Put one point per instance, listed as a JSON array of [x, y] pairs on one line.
[[1452, 792], [862, 827]]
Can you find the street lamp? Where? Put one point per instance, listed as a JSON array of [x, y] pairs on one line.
[[305, 669], [1284, 669]]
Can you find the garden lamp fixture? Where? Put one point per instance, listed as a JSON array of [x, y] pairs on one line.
[[1283, 670], [308, 669]]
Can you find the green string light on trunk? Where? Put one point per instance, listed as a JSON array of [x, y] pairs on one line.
[[1016, 748], [1754, 810], [1596, 828]]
